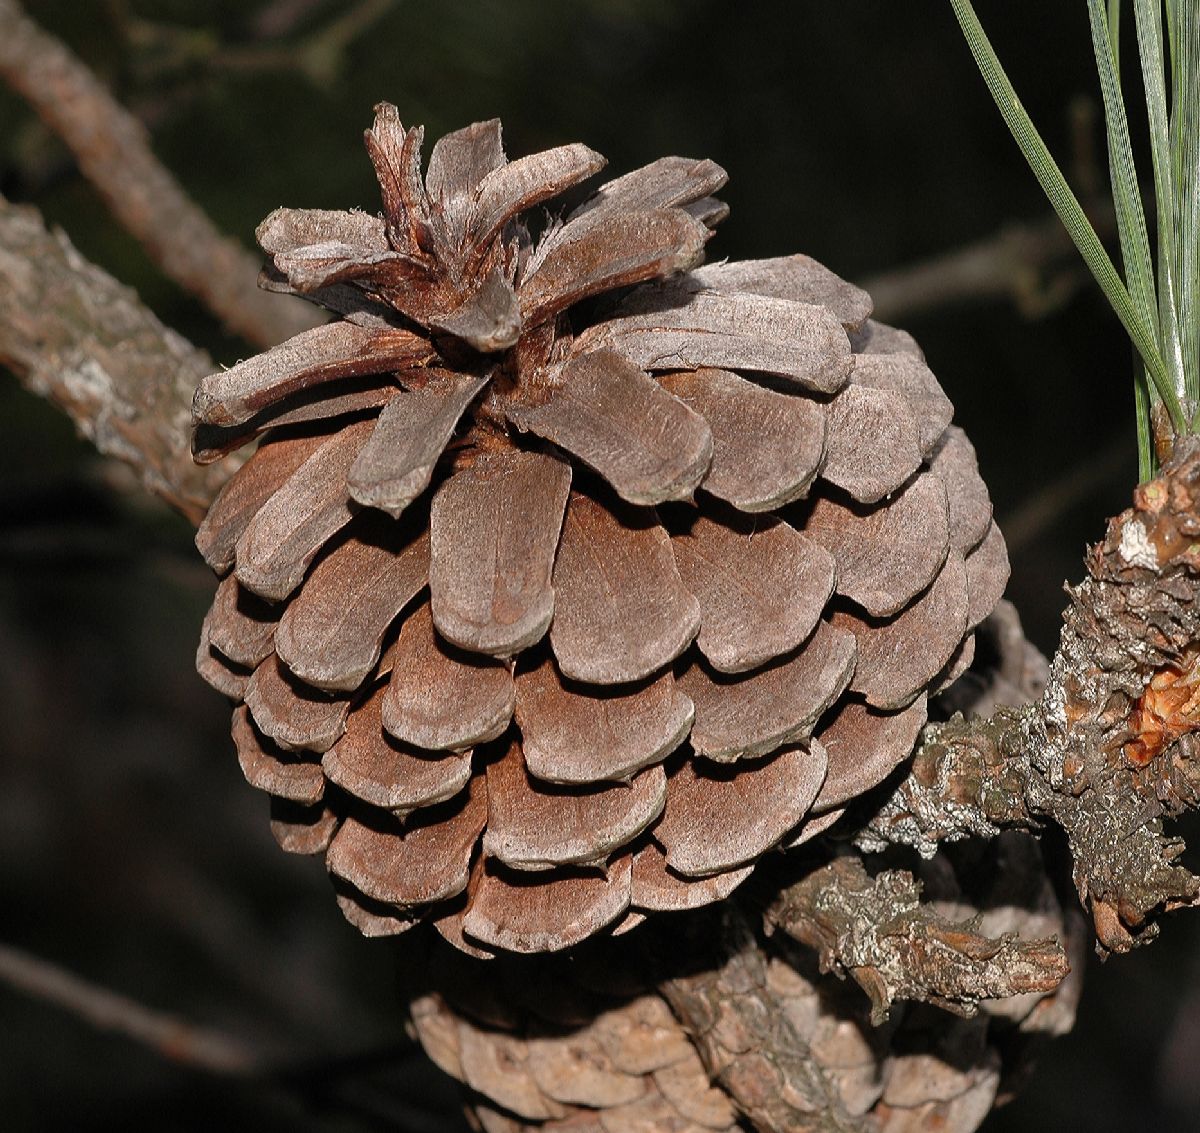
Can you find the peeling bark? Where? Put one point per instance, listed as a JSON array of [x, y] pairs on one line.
[[877, 930]]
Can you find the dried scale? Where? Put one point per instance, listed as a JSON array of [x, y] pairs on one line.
[[570, 577]]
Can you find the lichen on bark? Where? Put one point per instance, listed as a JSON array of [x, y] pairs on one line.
[[1106, 753]]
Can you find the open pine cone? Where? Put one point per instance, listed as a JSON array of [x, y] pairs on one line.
[[571, 577]]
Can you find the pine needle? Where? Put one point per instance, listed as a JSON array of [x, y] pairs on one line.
[[1135, 305], [1131, 218], [1150, 48], [1183, 25]]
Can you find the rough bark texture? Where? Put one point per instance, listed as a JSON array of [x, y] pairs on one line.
[[114, 154], [1109, 750], [73, 334], [749, 1044], [877, 930]]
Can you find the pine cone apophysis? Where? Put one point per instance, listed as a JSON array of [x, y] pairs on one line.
[[570, 577]]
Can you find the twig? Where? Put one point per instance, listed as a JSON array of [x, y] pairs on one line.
[[280, 17], [73, 334], [319, 55], [330, 1082], [173, 1038], [1033, 264], [113, 153], [877, 930]]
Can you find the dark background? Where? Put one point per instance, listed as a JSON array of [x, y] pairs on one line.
[[858, 132]]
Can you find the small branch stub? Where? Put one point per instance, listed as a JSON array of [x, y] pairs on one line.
[[876, 930], [1110, 750]]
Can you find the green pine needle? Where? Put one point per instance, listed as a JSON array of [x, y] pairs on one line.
[[1141, 412], [1114, 32], [1183, 26], [1149, 34], [1136, 305], [1131, 219]]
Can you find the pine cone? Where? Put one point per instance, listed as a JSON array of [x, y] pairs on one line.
[[571, 577], [634, 1070], [592, 1044]]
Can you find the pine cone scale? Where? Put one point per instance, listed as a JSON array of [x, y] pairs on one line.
[[872, 443], [295, 716], [310, 507], [910, 378], [396, 464], [761, 586], [458, 163], [798, 278], [645, 442], [666, 183], [331, 635], [241, 625], [520, 913], [925, 635], [535, 826], [291, 778], [374, 767], [740, 717], [587, 734], [313, 357], [302, 829], [625, 250], [767, 446], [716, 821], [412, 864], [657, 889], [987, 574], [289, 230], [622, 611], [970, 507], [396, 155], [915, 525], [578, 1074], [521, 184], [796, 342], [440, 698], [864, 744], [493, 529], [243, 496]]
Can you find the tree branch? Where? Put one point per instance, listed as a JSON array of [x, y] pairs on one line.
[[1033, 264], [75, 335], [114, 154], [171, 1037], [1111, 748], [876, 929]]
